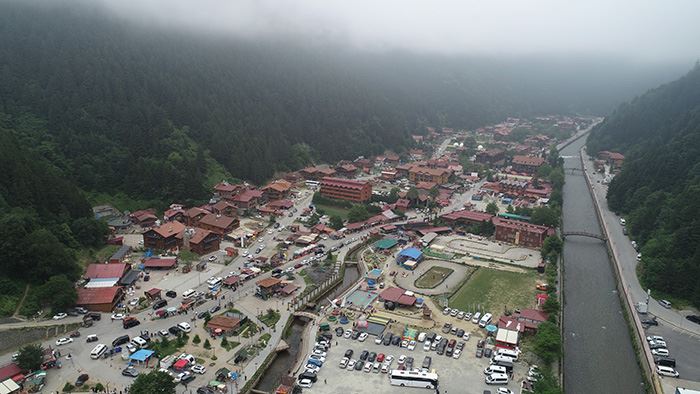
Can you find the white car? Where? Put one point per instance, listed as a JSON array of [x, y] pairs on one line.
[[654, 338], [362, 337], [667, 371], [185, 326], [200, 369], [660, 352], [344, 362], [312, 368], [181, 375], [134, 302], [503, 390], [131, 347], [446, 311], [657, 344], [212, 258], [63, 341], [320, 352], [411, 345], [404, 343], [163, 333], [401, 360], [348, 334], [118, 316], [456, 354], [305, 383], [60, 316], [378, 340], [351, 364], [454, 312], [426, 346], [460, 315]]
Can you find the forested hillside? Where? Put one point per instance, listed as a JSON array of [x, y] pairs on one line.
[[161, 114], [659, 185]]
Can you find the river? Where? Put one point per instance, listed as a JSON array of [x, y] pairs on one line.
[[598, 352]]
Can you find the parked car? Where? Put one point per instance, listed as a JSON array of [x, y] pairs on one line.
[[60, 316], [359, 365], [82, 379], [130, 372], [372, 356], [479, 352], [200, 369], [665, 303], [660, 352], [344, 362], [364, 355], [63, 341], [348, 353], [351, 364], [362, 337], [650, 322], [446, 328], [693, 318], [355, 334], [396, 340]]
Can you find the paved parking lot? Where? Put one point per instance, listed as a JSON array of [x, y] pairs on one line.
[[680, 345], [463, 375]]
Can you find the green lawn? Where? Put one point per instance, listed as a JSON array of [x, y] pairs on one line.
[[333, 211], [90, 255], [496, 291], [433, 277], [270, 318]]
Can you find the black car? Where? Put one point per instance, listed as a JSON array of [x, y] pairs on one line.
[[349, 353], [131, 372], [339, 331], [409, 363], [479, 352], [355, 334], [94, 315], [372, 357], [460, 345], [396, 340], [159, 304], [308, 375], [387, 339], [214, 309], [240, 358], [202, 314], [460, 332], [205, 390], [488, 352], [175, 330], [364, 355], [426, 363], [120, 340], [359, 365], [693, 318], [650, 322], [82, 379]]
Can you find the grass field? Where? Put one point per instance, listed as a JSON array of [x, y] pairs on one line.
[[495, 291], [331, 211], [433, 277]]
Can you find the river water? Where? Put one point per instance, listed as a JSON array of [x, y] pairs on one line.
[[285, 360], [598, 352]]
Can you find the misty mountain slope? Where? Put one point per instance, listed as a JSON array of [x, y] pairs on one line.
[[156, 113], [658, 187]]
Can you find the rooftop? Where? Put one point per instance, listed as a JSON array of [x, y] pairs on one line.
[[343, 183], [100, 271], [98, 295], [218, 221], [170, 229], [527, 160]]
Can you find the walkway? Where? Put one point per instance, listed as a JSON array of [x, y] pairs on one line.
[[448, 285]]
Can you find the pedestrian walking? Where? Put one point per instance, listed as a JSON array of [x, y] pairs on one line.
[[324, 381]]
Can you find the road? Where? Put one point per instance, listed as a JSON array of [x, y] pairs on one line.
[[682, 336]]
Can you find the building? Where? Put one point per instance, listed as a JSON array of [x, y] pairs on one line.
[[224, 208], [437, 176], [266, 288], [466, 217], [101, 299], [277, 190], [520, 233], [223, 325], [409, 258], [144, 217], [226, 190], [526, 164], [194, 215], [346, 170], [614, 159], [105, 275], [248, 199], [219, 224], [204, 241], [398, 296], [159, 263], [165, 237], [345, 189], [491, 156], [120, 254]]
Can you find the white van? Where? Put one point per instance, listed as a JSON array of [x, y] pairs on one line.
[[500, 358], [485, 320], [184, 326], [497, 378], [98, 351], [421, 337], [492, 369], [476, 317], [188, 293], [666, 371], [508, 353], [140, 342]]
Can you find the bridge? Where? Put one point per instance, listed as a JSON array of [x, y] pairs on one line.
[[582, 234], [573, 171], [305, 314]]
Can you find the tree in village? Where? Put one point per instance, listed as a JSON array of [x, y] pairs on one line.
[[492, 208], [358, 213], [30, 357], [58, 292], [547, 342], [335, 222], [154, 382]]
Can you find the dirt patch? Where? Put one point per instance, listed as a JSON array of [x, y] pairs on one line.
[[433, 277]]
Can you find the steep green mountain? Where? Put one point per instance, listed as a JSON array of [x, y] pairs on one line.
[[160, 114], [658, 187]]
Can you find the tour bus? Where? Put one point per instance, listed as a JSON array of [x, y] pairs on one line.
[[98, 351], [215, 282], [312, 184], [485, 320], [414, 378]]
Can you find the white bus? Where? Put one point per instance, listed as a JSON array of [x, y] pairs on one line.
[[414, 378], [312, 184]]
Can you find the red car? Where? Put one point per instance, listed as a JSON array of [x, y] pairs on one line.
[[298, 265], [380, 357]]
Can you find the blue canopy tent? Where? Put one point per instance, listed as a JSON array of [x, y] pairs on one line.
[[141, 356]]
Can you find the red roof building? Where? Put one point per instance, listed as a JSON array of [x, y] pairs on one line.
[[438, 176], [248, 199], [144, 217], [219, 224], [106, 271], [165, 237], [194, 215], [520, 233], [277, 190], [345, 189], [204, 241], [11, 371], [101, 299], [526, 164], [156, 263], [226, 190], [225, 208], [466, 217]]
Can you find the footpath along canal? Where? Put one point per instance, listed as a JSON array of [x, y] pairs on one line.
[[598, 352]]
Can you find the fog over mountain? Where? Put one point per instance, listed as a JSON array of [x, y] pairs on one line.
[[650, 31]]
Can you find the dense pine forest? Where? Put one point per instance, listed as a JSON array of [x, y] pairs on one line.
[[161, 114], [658, 187]]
